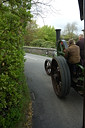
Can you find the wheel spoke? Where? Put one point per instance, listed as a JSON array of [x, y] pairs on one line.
[[59, 87]]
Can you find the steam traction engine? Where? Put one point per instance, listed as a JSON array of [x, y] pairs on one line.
[[58, 69]]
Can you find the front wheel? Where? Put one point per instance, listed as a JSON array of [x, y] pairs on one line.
[[47, 66]]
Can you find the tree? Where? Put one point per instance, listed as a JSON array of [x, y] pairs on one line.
[[44, 37], [47, 33], [41, 7], [70, 31], [31, 31]]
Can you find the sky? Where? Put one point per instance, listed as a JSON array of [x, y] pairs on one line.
[[64, 11]]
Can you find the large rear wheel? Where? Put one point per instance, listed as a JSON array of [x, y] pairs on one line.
[[60, 75]]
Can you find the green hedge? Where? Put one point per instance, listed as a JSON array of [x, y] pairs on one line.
[[11, 67], [42, 43]]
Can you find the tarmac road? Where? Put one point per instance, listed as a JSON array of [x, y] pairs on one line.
[[48, 110]]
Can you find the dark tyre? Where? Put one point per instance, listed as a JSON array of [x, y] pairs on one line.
[[60, 75], [47, 66]]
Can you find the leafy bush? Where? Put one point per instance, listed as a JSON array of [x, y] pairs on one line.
[[48, 44], [11, 66], [37, 43], [47, 33], [42, 43]]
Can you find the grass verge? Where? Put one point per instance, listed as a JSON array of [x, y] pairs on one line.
[[26, 111]]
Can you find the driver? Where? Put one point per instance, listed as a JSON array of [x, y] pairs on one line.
[[72, 54]]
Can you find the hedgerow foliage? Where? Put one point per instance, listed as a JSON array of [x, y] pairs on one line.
[[13, 19], [42, 43], [35, 34]]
